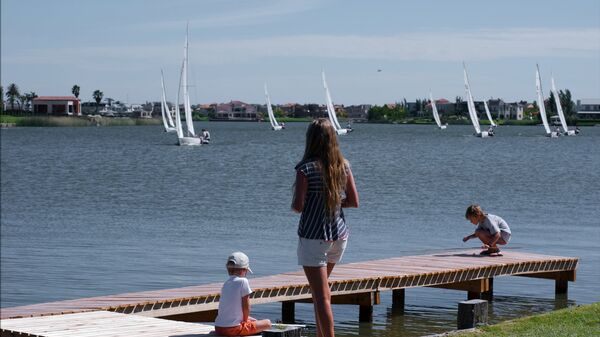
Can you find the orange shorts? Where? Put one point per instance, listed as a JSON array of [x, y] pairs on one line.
[[244, 329]]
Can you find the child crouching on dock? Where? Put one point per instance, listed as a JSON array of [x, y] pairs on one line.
[[234, 318], [491, 229]]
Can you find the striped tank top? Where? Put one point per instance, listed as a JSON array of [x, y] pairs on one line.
[[314, 223]]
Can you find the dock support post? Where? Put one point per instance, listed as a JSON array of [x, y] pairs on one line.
[[366, 313], [471, 312], [366, 302], [288, 312], [473, 295], [489, 294], [561, 283], [398, 300]]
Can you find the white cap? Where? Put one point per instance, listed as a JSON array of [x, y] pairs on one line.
[[239, 260]]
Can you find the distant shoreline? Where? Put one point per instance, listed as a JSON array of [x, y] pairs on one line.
[[8, 121]]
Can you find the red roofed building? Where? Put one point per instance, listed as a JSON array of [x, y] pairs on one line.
[[57, 105]]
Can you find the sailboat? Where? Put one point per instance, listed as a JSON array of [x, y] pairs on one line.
[[190, 137], [489, 115], [436, 116], [561, 114], [274, 125], [331, 110], [540, 94], [164, 108], [472, 111]]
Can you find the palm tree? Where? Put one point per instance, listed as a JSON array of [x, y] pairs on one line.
[[98, 97], [75, 90], [22, 101], [12, 94], [29, 98]]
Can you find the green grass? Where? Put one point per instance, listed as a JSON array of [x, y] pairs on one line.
[[55, 121], [581, 320]]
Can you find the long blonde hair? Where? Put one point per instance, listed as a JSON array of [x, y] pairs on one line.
[[322, 146]]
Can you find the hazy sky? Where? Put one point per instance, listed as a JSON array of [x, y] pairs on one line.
[[119, 47]]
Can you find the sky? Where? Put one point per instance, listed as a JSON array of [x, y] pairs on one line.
[[373, 52]]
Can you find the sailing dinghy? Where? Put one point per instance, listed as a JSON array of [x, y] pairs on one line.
[[164, 108], [274, 125], [472, 111], [190, 137], [436, 116], [331, 110], [561, 114], [540, 95], [489, 115]]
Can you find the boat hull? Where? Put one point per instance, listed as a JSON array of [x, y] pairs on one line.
[[276, 128], [483, 134], [190, 141], [570, 133]]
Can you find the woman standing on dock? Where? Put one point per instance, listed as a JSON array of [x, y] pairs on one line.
[[324, 185]]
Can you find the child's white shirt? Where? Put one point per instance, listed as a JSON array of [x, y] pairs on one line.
[[230, 304]]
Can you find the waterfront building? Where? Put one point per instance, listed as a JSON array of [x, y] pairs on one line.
[[588, 108], [236, 110], [358, 112], [502, 110], [57, 105]]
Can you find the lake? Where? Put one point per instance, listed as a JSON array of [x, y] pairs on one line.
[[98, 211]]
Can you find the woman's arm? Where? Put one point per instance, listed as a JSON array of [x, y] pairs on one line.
[[300, 188], [245, 308], [351, 199]]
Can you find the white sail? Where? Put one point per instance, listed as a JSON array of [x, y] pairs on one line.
[[561, 114], [186, 94], [330, 109], [540, 94], [177, 113], [489, 115], [471, 104], [434, 110], [166, 114], [272, 120]]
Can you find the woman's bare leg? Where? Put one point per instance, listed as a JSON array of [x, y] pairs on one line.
[[319, 286]]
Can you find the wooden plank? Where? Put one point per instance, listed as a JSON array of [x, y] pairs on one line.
[[103, 323]]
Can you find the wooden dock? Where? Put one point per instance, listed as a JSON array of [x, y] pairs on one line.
[[353, 283], [101, 324]]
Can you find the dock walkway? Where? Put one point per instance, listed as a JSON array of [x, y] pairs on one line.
[[354, 283]]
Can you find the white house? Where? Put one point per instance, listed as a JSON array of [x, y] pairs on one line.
[[57, 105]]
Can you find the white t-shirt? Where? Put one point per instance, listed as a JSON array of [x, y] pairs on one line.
[[493, 224], [230, 303]]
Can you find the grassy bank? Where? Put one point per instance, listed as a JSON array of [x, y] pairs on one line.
[[575, 321], [39, 121]]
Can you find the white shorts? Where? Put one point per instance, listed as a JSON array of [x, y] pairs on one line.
[[317, 253]]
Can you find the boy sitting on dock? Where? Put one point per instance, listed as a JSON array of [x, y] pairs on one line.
[[234, 318], [491, 229]]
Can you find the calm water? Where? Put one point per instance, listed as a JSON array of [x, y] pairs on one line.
[[97, 211]]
